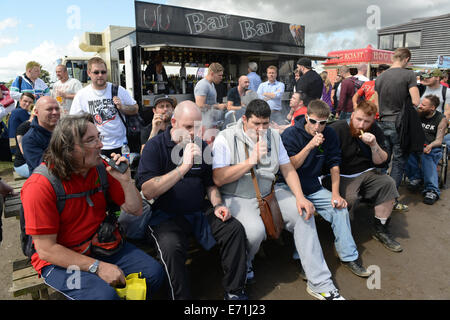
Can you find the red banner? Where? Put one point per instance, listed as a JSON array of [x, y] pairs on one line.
[[356, 56]]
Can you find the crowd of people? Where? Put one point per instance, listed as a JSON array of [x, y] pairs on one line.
[[340, 142]]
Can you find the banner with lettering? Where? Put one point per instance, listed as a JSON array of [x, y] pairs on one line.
[[151, 17]]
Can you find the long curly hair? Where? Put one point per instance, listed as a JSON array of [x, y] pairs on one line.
[[67, 133]]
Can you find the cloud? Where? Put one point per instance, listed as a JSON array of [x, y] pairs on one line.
[[46, 54], [9, 23], [7, 41]]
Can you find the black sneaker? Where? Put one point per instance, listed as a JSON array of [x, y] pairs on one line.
[[382, 234], [430, 197], [357, 268]]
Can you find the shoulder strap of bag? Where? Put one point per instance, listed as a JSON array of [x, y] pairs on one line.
[[61, 195], [56, 184], [255, 182], [114, 92]]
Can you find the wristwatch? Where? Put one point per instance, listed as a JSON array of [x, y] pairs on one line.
[[93, 268]]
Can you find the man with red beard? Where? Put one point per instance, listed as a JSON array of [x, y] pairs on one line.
[[363, 150]]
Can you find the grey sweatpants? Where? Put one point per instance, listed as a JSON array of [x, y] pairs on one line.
[[305, 234]]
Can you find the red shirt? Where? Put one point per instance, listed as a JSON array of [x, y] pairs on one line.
[[298, 112], [367, 90], [78, 221]]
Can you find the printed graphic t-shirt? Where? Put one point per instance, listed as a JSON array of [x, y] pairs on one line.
[[99, 103]]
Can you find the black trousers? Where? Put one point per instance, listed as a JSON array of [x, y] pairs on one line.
[[172, 242]]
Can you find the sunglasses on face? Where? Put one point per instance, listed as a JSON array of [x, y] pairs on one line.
[[314, 121], [97, 72]]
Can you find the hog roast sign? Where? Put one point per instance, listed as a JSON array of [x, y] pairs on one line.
[[151, 17]]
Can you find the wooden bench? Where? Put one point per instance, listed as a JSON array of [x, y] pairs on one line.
[[25, 280], [12, 203]]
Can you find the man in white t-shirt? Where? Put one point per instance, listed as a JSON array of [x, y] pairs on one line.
[[266, 154], [431, 81], [65, 88], [97, 100]]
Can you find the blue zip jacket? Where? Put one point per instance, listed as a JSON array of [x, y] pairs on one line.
[[319, 161], [34, 144]]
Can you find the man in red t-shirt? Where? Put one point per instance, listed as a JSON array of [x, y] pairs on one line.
[[72, 156], [367, 90], [297, 106], [297, 109]]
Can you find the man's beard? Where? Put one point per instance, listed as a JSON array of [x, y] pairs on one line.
[[424, 113], [356, 132]]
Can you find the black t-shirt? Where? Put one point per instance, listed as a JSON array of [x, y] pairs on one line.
[[356, 156], [23, 128], [430, 126], [188, 194], [311, 84], [233, 95]]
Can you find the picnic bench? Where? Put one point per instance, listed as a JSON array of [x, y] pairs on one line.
[[25, 279], [12, 203]]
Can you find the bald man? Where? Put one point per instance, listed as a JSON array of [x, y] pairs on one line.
[[175, 170], [235, 94], [237, 98], [36, 140]]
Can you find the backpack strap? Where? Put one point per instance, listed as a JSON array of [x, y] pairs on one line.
[[61, 195], [444, 93], [20, 83], [56, 184], [114, 92]]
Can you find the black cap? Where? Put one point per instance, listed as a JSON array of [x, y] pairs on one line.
[[306, 62], [160, 98]]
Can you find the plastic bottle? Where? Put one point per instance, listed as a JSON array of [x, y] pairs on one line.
[[126, 151]]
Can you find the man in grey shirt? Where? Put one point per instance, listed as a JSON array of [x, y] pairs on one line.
[[206, 95], [396, 87]]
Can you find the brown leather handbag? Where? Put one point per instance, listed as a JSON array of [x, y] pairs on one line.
[[269, 209]]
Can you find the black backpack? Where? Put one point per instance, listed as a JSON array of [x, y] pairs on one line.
[[61, 197], [133, 125], [357, 84]]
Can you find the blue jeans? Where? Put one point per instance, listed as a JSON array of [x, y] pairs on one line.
[[424, 167], [399, 157], [340, 223], [91, 287], [23, 170]]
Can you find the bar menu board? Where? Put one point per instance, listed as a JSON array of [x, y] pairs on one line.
[[151, 17]]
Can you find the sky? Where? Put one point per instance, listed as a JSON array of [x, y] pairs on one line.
[[45, 30]]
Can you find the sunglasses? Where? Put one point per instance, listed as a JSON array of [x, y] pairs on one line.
[[97, 72], [314, 121]]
